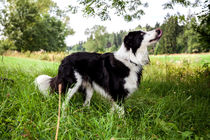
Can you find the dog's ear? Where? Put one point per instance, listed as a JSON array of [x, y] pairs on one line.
[[129, 36], [129, 39]]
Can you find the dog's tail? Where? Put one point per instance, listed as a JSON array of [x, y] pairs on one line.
[[42, 82], [47, 84]]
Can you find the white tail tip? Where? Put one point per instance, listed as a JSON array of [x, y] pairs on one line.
[[42, 82]]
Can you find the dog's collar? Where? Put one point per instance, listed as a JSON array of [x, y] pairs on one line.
[[128, 61], [138, 64], [133, 63]]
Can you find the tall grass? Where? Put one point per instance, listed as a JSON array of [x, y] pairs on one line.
[[171, 103], [41, 55]]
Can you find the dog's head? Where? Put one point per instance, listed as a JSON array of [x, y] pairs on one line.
[[136, 44]]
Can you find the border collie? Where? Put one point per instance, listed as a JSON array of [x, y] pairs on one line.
[[113, 75]]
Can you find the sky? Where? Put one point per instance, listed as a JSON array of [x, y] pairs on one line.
[[154, 13]]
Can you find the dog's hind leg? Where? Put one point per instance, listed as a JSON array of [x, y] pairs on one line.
[[89, 94], [72, 91]]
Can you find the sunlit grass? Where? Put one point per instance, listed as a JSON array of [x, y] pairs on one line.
[[171, 103]]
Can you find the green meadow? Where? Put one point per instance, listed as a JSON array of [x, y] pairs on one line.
[[172, 102]]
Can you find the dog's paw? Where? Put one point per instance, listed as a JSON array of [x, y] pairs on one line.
[[118, 109], [86, 105]]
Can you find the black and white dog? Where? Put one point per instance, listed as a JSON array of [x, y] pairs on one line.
[[113, 75]]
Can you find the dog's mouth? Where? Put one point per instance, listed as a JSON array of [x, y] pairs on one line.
[[158, 36]]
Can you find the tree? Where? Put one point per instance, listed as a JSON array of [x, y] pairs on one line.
[[171, 30], [129, 9], [5, 44], [97, 40], [204, 28], [48, 34], [170, 4], [157, 25], [148, 27], [187, 41], [101, 41], [77, 47], [30, 27], [16, 18]]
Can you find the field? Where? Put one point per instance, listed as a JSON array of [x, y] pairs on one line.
[[172, 103]]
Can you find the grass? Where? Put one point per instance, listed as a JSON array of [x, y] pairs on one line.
[[171, 103]]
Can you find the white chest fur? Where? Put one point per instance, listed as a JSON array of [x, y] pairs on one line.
[[131, 82]]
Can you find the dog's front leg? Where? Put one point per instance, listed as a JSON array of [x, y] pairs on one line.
[[69, 95]]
